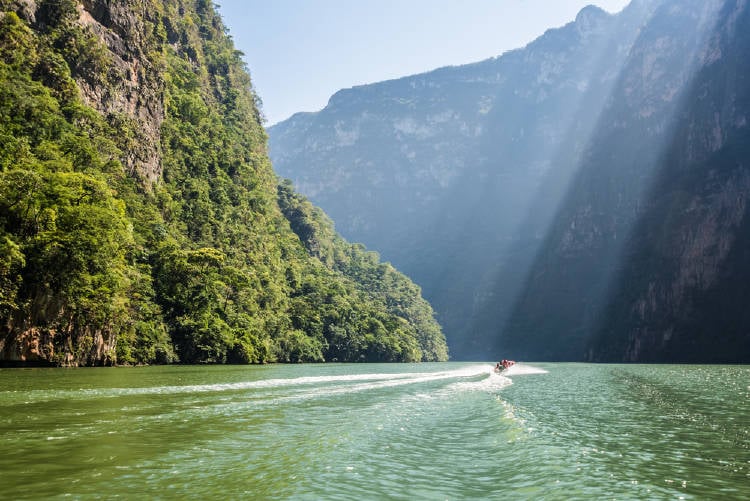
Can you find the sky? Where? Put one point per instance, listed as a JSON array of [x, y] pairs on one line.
[[300, 52]]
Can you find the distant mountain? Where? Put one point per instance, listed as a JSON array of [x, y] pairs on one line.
[[562, 201], [442, 172]]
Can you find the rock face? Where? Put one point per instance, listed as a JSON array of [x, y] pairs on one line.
[[680, 291], [641, 261], [130, 89], [136, 93], [582, 197]]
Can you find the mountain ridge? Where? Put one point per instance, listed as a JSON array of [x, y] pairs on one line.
[[431, 151], [479, 180]]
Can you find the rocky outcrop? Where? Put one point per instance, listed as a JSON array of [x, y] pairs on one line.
[[133, 88], [51, 347], [124, 82], [52, 337]]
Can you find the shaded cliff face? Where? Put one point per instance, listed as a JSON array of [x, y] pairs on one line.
[[623, 186], [584, 197], [692, 232], [140, 218], [454, 175]]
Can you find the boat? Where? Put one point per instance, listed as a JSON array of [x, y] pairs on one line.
[[504, 365]]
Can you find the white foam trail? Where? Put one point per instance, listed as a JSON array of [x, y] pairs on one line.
[[493, 382], [424, 377], [376, 382], [389, 379], [490, 382], [44, 395], [372, 380], [522, 370]]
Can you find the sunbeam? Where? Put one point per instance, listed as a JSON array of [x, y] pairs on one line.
[[679, 291], [509, 189], [540, 200], [488, 223], [574, 273]]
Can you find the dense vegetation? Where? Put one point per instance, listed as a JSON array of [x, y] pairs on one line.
[[379, 282], [100, 265]]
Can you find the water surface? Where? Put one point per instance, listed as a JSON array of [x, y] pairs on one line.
[[377, 431]]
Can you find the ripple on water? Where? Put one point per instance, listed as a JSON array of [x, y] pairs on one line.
[[425, 431]]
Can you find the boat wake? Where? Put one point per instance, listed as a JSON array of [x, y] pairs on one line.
[[474, 377], [520, 369]]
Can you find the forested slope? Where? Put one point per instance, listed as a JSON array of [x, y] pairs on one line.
[[140, 217]]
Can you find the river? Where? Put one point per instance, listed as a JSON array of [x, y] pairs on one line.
[[376, 431]]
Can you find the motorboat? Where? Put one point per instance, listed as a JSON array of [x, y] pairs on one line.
[[504, 365]]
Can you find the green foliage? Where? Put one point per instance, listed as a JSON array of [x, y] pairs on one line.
[[400, 324], [201, 267], [12, 261]]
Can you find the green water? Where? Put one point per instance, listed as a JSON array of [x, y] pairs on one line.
[[372, 431]]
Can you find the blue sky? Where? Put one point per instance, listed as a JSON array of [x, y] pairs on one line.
[[302, 51]]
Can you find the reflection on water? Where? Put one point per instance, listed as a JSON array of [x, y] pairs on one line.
[[375, 431]]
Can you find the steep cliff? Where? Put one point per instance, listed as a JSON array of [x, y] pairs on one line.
[[628, 219], [681, 291], [140, 217], [582, 197]]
